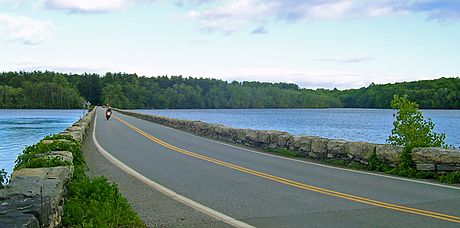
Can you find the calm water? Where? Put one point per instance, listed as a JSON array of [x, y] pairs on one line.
[[370, 125], [21, 128]]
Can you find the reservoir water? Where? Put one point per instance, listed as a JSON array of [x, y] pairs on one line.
[[21, 128], [369, 125]]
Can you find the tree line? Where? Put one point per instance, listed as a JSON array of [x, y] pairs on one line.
[[57, 90]]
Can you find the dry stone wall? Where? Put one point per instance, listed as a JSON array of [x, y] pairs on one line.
[[35, 196], [434, 159]]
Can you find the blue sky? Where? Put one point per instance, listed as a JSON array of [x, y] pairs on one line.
[[327, 44]]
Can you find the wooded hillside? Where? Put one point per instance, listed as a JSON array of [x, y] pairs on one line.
[[57, 90]]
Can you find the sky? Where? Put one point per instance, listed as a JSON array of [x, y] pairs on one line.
[[315, 44]]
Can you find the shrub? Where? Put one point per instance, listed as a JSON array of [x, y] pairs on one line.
[[43, 162], [91, 202], [375, 164], [450, 178], [98, 203], [411, 130], [410, 127], [28, 157]]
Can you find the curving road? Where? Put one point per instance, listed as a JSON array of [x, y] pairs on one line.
[[268, 191]]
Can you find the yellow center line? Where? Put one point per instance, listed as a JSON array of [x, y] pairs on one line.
[[300, 185]]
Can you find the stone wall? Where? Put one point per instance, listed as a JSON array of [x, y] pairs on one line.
[[435, 159], [35, 196]]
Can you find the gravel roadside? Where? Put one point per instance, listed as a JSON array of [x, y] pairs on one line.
[[154, 208]]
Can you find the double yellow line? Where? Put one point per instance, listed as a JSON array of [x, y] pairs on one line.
[[312, 188]]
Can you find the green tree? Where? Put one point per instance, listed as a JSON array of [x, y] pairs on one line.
[[411, 130], [410, 127], [112, 94]]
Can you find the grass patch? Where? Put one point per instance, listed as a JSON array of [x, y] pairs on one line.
[[97, 203], [450, 178], [344, 163], [43, 162], [282, 152], [92, 202], [28, 157]]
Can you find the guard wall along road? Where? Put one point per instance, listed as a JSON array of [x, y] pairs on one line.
[[432, 159]]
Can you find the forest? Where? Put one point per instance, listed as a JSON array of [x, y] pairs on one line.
[[63, 91]]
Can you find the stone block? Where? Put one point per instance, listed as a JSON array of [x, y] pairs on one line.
[[336, 147], [39, 192], [319, 145], [388, 153], [49, 141], [251, 135], [426, 167], [280, 139], [240, 134], [448, 167], [62, 173], [263, 137], [359, 149], [63, 155], [434, 154], [20, 212], [300, 143], [313, 155]]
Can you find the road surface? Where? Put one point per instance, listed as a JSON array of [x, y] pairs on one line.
[[268, 191]]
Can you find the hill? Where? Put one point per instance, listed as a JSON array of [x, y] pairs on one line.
[[57, 90]]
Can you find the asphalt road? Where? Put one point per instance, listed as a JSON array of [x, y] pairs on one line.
[[268, 191]]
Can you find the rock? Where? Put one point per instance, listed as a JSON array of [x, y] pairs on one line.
[[39, 192], [314, 155], [300, 143], [426, 167], [20, 212], [279, 139], [48, 141], [263, 137], [388, 153], [359, 150], [62, 173], [336, 148], [438, 155], [319, 146], [74, 128], [63, 155], [223, 132], [251, 135], [240, 135], [448, 167]]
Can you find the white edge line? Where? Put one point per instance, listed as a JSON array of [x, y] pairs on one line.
[[168, 192], [307, 162]]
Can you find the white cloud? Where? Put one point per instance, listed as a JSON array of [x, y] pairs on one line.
[[231, 15], [89, 6], [305, 78], [14, 28], [345, 60], [308, 78], [64, 67]]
